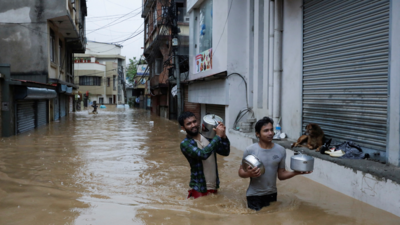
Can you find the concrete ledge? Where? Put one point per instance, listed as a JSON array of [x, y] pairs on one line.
[[371, 182], [379, 170]]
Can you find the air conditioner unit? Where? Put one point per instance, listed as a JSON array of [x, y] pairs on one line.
[[186, 19]]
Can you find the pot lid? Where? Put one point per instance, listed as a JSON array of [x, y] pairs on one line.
[[302, 157], [212, 119]]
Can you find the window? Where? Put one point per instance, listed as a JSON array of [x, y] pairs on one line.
[[205, 25], [158, 66], [146, 31], [114, 82], [60, 53], [110, 100], [164, 11], [89, 81], [52, 45], [101, 101], [181, 11], [108, 82], [155, 17]]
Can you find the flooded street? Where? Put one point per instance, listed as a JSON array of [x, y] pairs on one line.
[[118, 167]]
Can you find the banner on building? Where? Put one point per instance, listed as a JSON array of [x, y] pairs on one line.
[[203, 61], [142, 70]]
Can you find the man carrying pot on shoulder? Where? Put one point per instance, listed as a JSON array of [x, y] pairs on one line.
[[262, 189], [201, 154]]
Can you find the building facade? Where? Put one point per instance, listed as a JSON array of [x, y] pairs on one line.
[[136, 90], [327, 62], [100, 73], [38, 39], [159, 16]]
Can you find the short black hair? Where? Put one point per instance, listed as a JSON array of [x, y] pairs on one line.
[[264, 121], [184, 116]]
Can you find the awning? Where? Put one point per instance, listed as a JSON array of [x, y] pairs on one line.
[[62, 88], [34, 93]]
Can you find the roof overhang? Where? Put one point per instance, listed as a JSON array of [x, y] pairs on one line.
[[25, 93], [216, 76]]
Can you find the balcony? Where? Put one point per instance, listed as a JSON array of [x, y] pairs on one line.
[[154, 81], [146, 7]]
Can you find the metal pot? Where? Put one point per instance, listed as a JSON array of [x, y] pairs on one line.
[[210, 121], [253, 161], [302, 163]]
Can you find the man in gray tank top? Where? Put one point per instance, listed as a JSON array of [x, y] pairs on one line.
[[262, 189]]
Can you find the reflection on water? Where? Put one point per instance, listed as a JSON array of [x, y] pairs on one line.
[[118, 167]]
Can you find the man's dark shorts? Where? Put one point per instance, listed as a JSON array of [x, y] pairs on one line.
[[258, 202]]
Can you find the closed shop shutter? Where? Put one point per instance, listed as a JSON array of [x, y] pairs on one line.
[[62, 106], [345, 69], [218, 110], [56, 109], [25, 116], [41, 113]]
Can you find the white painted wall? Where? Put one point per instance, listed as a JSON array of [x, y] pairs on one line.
[[383, 194], [219, 61], [209, 92], [292, 68], [102, 48], [89, 66], [393, 146]]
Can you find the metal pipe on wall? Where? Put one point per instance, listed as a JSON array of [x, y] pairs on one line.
[[276, 113], [271, 58]]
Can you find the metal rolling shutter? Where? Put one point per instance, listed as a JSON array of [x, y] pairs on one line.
[[41, 113], [25, 116], [345, 69], [218, 110], [56, 110], [62, 106]]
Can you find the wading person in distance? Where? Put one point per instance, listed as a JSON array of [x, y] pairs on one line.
[[95, 106], [262, 189], [201, 154]]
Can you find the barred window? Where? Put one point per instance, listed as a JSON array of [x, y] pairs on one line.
[[89, 81]]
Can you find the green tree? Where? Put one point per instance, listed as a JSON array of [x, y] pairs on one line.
[[132, 69]]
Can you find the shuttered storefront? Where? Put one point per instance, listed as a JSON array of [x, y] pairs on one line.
[[218, 110], [345, 69], [31, 114], [41, 113], [56, 109], [62, 106], [25, 116]]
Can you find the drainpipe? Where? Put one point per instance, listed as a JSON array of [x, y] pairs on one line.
[[276, 113], [271, 58]]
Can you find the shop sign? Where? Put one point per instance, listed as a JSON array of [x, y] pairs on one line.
[[203, 61]]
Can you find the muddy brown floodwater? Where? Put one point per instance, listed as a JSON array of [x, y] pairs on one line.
[[118, 167]]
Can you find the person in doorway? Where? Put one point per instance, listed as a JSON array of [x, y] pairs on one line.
[[262, 189], [95, 106], [201, 154]]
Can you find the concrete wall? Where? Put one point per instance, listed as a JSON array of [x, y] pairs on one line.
[[393, 142], [231, 91], [30, 35], [380, 193], [219, 39], [292, 68]]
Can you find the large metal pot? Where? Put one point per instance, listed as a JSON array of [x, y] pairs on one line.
[[302, 163], [253, 161], [210, 121]]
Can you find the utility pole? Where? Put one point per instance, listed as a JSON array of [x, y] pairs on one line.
[[175, 44]]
